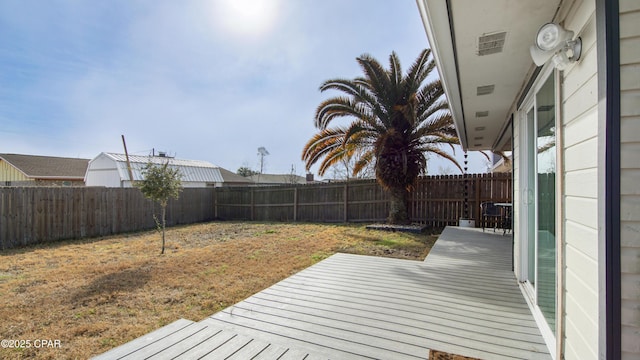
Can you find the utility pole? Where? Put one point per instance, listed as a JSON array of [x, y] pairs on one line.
[[126, 154], [262, 152]]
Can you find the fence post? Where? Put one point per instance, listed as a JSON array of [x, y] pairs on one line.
[[215, 203], [295, 204], [346, 201], [477, 207], [253, 205]]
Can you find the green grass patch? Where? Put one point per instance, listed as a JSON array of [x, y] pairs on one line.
[[5, 276], [319, 256]]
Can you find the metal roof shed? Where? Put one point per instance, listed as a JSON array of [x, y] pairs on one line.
[[110, 170]]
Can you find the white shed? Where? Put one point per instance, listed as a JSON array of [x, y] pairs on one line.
[[110, 170]]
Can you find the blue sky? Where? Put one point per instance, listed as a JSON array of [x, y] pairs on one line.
[[208, 80]]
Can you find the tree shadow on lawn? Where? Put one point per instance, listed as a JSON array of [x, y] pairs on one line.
[[105, 287], [19, 249]]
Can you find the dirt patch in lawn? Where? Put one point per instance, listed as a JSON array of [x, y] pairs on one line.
[[94, 294]]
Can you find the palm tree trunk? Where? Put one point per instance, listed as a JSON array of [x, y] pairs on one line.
[[399, 200]]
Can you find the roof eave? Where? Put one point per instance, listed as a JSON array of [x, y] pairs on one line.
[[436, 20], [74, 178]]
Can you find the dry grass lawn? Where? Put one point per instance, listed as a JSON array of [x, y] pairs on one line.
[[95, 294]]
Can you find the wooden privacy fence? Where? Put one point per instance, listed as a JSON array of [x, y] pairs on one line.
[[332, 202], [31, 215], [437, 201]]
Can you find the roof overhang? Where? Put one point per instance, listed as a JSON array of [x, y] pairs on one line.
[[52, 178], [481, 49]]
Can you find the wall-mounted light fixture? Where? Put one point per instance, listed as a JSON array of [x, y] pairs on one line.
[[555, 42]]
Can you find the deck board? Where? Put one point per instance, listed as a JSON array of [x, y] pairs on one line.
[[146, 340], [208, 346], [251, 350], [269, 353], [313, 338], [230, 347], [165, 343], [463, 299]]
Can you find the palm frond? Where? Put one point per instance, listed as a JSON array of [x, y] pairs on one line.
[[376, 77], [359, 89], [441, 119], [375, 73], [363, 161], [321, 144], [395, 70], [332, 158], [356, 88], [438, 151], [340, 107], [420, 69], [358, 130]]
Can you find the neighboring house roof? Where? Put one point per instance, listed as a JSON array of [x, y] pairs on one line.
[[502, 166], [191, 170], [277, 179], [231, 177], [47, 167]]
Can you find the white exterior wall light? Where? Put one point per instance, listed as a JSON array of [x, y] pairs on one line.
[[555, 42]]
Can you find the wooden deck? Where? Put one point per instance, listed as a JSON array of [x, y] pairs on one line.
[[462, 299]]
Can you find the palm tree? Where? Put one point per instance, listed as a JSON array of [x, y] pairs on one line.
[[396, 120]]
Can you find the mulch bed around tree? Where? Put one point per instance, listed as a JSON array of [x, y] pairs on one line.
[[410, 228]]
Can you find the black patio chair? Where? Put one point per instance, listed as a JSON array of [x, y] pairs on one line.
[[490, 211], [506, 220]]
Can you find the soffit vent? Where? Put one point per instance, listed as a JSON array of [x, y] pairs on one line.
[[480, 114], [491, 43], [480, 128], [478, 138], [485, 90]]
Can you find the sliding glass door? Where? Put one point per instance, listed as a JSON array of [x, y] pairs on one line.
[[539, 199], [546, 200]]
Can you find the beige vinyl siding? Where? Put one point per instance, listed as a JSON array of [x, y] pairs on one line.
[[630, 176], [10, 173], [580, 190]]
